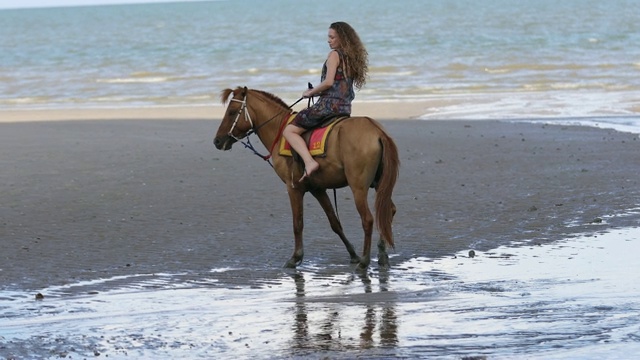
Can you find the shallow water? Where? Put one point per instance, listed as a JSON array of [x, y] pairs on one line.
[[575, 298]]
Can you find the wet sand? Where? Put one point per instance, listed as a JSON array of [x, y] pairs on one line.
[[567, 300], [151, 206]]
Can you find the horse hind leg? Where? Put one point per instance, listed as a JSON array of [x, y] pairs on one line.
[[362, 205], [336, 226], [383, 256]]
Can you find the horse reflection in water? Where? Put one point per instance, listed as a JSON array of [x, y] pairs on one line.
[[359, 154], [336, 331]]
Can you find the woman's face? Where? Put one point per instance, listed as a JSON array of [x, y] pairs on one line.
[[333, 39]]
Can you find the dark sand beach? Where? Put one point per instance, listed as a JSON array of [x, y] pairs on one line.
[[120, 199], [125, 234]]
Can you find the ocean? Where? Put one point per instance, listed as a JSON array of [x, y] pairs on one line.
[[476, 58]]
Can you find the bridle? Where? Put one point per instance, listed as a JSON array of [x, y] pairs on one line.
[[244, 109], [247, 117]]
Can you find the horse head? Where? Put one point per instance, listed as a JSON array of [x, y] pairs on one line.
[[236, 122]]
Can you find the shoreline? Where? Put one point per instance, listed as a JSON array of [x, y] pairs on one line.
[[380, 110], [481, 106]]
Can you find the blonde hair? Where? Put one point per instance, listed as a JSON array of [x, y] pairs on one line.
[[357, 57]]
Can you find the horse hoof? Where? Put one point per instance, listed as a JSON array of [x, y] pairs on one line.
[[291, 264], [383, 262], [362, 268]]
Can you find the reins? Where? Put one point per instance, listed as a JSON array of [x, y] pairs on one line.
[[254, 130]]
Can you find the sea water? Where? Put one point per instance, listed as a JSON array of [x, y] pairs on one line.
[[476, 58]]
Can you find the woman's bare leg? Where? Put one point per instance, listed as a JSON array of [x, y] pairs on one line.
[[293, 135]]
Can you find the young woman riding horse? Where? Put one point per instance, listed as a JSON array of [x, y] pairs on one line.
[[359, 153]]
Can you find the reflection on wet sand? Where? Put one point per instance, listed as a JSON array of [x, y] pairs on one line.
[[571, 299], [325, 325]]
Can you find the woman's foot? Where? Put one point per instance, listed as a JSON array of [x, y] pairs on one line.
[[309, 169]]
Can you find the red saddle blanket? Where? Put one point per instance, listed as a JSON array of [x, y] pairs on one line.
[[316, 138]]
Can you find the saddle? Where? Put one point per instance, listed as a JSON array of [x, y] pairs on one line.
[[315, 138]]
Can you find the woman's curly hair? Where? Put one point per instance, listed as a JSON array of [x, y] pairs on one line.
[[357, 57]]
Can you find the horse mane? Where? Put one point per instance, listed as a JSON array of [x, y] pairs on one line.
[[272, 97], [224, 95]]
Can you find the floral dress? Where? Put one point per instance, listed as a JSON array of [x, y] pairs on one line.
[[333, 101]]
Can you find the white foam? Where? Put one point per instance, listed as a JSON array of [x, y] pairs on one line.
[[157, 79], [613, 110]]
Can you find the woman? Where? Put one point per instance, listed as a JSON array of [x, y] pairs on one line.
[[346, 66]]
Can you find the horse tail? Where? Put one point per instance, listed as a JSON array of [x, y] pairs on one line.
[[385, 209]]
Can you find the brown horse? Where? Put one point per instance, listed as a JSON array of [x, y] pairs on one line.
[[359, 154]]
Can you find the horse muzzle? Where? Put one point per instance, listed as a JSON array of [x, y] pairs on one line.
[[224, 142]]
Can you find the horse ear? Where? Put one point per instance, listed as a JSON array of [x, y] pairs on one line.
[[244, 91]]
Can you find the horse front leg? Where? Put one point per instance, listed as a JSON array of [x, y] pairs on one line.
[[295, 198], [362, 205], [336, 226]]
